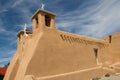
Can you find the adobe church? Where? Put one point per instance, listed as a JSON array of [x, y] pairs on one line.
[[46, 53]]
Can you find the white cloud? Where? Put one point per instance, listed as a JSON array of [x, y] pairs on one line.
[[22, 25], [17, 3], [2, 11], [97, 21], [2, 30], [4, 60], [11, 51], [2, 65]]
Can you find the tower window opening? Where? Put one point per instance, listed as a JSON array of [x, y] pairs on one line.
[[47, 21], [36, 21], [110, 39]]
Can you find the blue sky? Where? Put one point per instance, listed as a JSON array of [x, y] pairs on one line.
[[93, 18]]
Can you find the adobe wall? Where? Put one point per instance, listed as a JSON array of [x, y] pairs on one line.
[[25, 50], [55, 55], [51, 52], [85, 74], [114, 48]]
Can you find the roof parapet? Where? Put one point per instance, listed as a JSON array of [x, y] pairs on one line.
[[22, 32], [44, 11]]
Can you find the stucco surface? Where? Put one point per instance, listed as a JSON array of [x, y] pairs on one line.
[[49, 54]]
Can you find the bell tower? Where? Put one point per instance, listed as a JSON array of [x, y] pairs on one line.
[[43, 19]]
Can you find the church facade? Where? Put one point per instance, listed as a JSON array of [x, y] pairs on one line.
[[46, 53]]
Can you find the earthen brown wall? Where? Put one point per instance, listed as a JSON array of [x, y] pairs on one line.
[[54, 55], [114, 48], [49, 52]]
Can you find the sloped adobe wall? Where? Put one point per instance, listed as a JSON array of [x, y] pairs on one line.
[[53, 55]]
